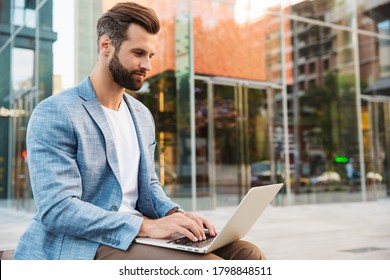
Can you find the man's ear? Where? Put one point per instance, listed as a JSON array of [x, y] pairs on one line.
[[104, 44]]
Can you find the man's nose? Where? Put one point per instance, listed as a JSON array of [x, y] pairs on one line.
[[145, 64]]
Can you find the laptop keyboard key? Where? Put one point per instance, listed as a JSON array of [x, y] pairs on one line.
[[185, 241]]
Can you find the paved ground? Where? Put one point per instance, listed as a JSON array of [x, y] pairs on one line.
[[341, 231]]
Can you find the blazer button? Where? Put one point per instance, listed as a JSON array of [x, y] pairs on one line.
[[114, 208]]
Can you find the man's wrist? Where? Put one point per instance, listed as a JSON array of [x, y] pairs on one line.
[[174, 210], [144, 229]]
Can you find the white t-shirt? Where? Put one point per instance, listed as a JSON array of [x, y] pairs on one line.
[[127, 148]]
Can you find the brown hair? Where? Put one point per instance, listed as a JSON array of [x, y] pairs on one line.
[[115, 22]]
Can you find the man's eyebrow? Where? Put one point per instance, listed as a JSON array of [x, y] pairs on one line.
[[152, 53], [138, 50], [142, 50]]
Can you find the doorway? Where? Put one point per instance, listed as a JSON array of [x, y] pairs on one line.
[[234, 136]]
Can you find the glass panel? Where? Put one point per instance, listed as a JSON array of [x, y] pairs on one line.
[[205, 153], [30, 20], [184, 168], [326, 129], [265, 167], [375, 87], [271, 26], [167, 95], [18, 17], [228, 44], [227, 144], [247, 11], [374, 16], [24, 13], [277, 141], [5, 81], [20, 58], [30, 4], [338, 11], [22, 69], [232, 136], [234, 41], [82, 44], [386, 142], [19, 3], [217, 143]]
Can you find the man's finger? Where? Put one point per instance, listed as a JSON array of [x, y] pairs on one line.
[[199, 223]]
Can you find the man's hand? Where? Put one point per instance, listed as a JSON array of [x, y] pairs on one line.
[[187, 224]]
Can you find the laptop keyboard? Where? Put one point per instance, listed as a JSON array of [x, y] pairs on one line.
[[185, 241]]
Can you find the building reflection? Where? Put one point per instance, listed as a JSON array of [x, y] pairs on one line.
[[281, 94]]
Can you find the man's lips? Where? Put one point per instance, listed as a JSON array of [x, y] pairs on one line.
[[140, 74]]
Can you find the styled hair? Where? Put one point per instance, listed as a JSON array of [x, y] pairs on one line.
[[115, 22]]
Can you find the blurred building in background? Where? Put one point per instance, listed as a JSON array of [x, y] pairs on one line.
[[248, 93], [26, 77], [87, 13]]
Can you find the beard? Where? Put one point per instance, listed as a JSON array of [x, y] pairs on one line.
[[124, 77]]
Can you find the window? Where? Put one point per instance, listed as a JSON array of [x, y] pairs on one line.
[[312, 67], [22, 69], [384, 27], [24, 13], [301, 70], [30, 4], [326, 64], [347, 55]]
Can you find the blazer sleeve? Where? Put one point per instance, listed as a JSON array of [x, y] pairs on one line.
[[57, 185]]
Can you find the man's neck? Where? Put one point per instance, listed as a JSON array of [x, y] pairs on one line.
[[109, 93]]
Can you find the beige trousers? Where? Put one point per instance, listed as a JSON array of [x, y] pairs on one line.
[[238, 250]]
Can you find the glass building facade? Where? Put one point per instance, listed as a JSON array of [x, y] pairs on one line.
[[26, 75], [248, 93]]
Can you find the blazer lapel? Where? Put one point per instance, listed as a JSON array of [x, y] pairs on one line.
[[134, 114], [92, 105], [144, 203]]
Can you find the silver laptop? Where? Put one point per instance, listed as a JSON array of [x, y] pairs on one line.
[[242, 220]]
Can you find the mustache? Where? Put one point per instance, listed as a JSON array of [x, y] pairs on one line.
[[140, 72]]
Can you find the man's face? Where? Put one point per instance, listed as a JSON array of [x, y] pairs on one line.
[[129, 65]]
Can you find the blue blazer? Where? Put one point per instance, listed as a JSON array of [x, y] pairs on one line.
[[74, 176]]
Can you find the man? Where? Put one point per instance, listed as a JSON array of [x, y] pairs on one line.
[[91, 160]]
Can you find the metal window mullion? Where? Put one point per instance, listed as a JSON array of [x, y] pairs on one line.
[[11, 146], [355, 44], [192, 109], [285, 107], [211, 144]]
